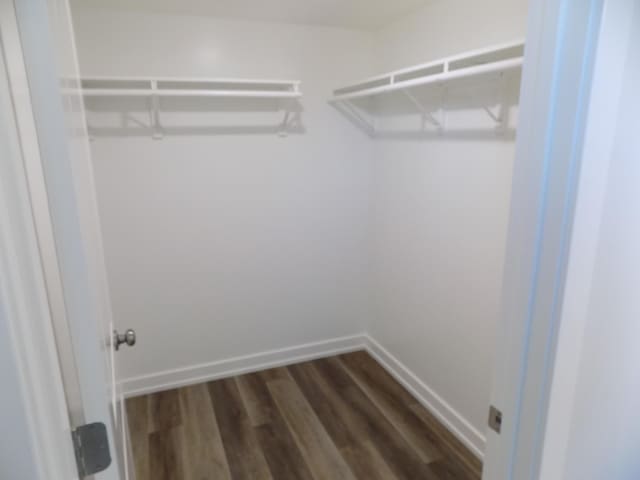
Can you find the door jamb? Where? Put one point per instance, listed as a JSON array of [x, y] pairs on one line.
[[23, 289], [560, 53]]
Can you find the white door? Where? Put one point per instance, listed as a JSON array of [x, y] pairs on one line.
[[46, 89], [556, 95]]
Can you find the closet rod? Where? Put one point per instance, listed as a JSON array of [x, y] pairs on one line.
[[119, 92]]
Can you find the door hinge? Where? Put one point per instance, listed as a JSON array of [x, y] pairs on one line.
[[91, 445], [495, 419]]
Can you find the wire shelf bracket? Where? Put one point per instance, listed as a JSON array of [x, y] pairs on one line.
[[285, 91], [498, 59]]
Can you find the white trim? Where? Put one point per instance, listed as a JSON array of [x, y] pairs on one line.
[[445, 413], [230, 367], [180, 377]]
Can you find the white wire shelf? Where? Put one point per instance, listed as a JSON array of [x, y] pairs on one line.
[[496, 60], [189, 87], [284, 92]]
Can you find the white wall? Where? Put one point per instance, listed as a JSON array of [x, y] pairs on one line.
[[230, 241], [448, 27], [441, 206], [212, 238]]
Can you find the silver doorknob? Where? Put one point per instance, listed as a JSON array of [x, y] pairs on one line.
[[128, 337]]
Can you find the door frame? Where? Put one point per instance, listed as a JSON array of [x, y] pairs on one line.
[[24, 301], [615, 46], [551, 127], [557, 99], [43, 73]]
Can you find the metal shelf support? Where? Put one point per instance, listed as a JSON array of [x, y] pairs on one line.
[[157, 134], [440, 74], [153, 88], [495, 116], [426, 114]]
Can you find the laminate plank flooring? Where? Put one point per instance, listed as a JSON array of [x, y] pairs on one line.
[[245, 457], [202, 445], [340, 418]]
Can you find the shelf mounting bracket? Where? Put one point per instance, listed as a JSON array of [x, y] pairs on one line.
[[499, 113], [495, 116], [155, 113], [348, 107], [289, 118], [426, 114], [285, 124]]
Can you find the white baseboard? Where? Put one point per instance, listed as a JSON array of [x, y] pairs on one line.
[[206, 372], [448, 416], [180, 377]]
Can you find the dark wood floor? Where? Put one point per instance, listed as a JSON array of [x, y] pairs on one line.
[[341, 418]]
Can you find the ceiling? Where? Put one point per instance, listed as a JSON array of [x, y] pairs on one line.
[[357, 14]]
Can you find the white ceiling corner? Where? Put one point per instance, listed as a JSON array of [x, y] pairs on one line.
[[354, 14]]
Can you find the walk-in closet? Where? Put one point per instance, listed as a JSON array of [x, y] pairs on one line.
[[302, 207]]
